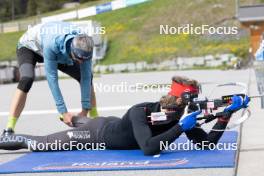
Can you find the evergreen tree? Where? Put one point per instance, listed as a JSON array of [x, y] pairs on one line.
[[31, 7]]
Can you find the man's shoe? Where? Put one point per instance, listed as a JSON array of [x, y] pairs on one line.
[[8, 132]]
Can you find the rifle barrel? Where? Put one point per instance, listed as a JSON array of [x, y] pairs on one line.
[[256, 96]]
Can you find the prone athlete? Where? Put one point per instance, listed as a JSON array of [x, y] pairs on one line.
[[135, 130]]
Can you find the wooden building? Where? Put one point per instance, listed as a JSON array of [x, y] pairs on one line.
[[252, 18]]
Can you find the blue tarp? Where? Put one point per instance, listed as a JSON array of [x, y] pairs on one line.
[[124, 159]]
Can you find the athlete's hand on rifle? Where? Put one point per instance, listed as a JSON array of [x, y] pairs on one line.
[[238, 102], [188, 121], [67, 118]]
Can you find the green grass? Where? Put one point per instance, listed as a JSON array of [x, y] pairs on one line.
[[133, 32], [8, 44]]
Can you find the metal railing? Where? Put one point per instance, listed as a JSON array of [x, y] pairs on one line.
[[259, 72]]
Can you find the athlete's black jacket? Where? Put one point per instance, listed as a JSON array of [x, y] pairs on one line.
[[132, 131]]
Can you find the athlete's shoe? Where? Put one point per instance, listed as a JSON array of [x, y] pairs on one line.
[[8, 132]]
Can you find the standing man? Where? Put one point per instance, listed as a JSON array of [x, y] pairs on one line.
[[61, 46]]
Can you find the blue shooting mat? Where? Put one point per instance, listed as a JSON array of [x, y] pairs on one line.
[[69, 161]]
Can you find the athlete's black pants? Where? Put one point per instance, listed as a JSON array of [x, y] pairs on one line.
[[27, 61], [87, 132]]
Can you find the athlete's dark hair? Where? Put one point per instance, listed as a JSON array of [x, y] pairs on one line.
[[168, 100], [186, 81]]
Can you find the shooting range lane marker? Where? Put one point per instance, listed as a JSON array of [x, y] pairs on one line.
[[54, 111]]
